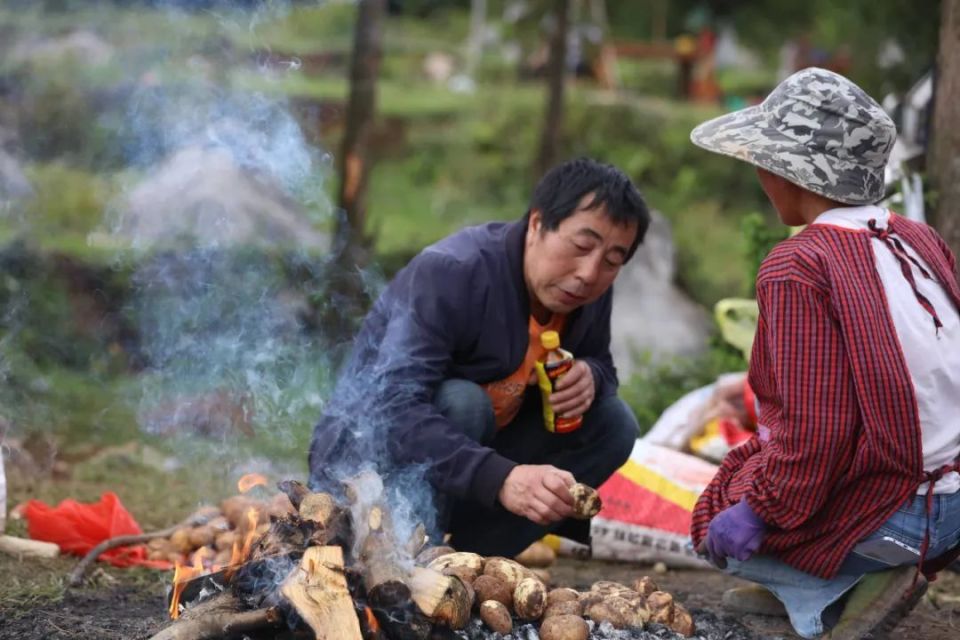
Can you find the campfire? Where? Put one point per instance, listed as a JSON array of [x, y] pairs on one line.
[[306, 565]]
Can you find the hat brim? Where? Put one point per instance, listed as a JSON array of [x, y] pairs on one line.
[[749, 135]]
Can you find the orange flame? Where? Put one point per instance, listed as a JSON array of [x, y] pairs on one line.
[[240, 551], [182, 574], [372, 623], [202, 561], [251, 480]]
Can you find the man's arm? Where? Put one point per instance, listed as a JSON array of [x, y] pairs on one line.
[[800, 371], [430, 302]]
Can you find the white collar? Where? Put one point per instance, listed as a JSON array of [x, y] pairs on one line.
[[854, 217]]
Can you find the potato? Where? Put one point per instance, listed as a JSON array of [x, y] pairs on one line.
[[204, 514], [529, 599], [633, 614], [157, 554], [645, 586], [466, 566], [180, 540], [540, 574], [565, 608], [202, 536], [567, 627], [219, 524], [589, 598], [496, 616], [586, 501], [158, 543], [563, 594], [225, 541], [538, 555], [491, 588], [607, 586], [600, 612], [682, 622], [430, 554], [465, 574], [280, 506], [235, 509], [222, 558], [507, 571], [660, 604]]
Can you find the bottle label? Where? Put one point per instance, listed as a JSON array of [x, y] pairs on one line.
[[547, 375]]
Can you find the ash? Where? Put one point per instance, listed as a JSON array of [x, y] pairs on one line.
[[708, 625]]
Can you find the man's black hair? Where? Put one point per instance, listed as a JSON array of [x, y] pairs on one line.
[[559, 192]]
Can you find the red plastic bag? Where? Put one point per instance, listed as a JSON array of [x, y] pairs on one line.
[[77, 528]]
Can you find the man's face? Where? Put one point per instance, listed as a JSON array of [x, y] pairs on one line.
[[577, 262]]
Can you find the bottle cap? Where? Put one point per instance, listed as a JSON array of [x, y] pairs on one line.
[[550, 340]]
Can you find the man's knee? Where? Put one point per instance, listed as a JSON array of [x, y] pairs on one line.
[[468, 408], [616, 425]]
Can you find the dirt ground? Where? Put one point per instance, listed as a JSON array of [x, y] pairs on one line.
[[129, 605]]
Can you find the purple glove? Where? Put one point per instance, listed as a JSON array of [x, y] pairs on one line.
[[735, 532]]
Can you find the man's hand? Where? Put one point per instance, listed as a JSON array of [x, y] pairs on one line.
[[574, 391], [538, 492], [735, 532]]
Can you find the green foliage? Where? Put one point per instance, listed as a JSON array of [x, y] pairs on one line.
[[654, 386], [759, 239], [67, 201]]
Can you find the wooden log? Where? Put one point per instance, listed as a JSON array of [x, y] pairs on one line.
[[318, 507], [442, 598], [220, 617], [24, 548], [379, 554], [296, 491], [418, 539], [76, 576], [317, 589]]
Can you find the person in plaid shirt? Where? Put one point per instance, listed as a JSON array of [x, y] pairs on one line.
[[848, 495]]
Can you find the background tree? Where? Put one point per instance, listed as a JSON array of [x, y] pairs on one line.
[[943, 161], [556, 75], [353, 166]]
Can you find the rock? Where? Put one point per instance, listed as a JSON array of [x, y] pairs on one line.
[[14, 184], [80, 45], [649, 312], [204, 196]]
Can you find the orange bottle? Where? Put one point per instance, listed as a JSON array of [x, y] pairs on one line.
[[555, 363]]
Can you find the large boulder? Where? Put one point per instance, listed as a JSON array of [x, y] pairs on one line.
[[80, 45], [14, 184], [650, 314], [203, 197]]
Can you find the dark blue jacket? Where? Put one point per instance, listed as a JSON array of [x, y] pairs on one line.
[[460, 309]]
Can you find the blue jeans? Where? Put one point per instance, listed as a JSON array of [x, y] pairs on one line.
[[592, 454], [807, 597]]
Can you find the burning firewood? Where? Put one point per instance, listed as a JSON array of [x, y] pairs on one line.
[[220, 618], [445, 599], [342, 572], [318, 591]]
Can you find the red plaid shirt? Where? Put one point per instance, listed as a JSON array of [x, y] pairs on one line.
[[844, 450]]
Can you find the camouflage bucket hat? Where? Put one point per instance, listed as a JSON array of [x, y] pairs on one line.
[[816, 129]]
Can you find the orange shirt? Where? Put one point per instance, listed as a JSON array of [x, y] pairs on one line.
[[507, 394]]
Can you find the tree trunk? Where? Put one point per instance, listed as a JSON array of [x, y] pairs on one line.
[[478, 24], [556, 73], [361, 108], [943, 161]]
